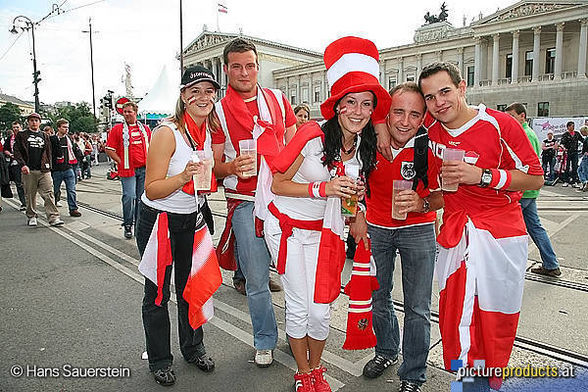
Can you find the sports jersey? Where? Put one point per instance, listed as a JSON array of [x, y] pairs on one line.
[[491, 139], [137, 147], [379, 201]]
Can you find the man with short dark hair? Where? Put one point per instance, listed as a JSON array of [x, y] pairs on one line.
[[250, 112], [482, 242], [127, 145], [549, 148], [64, 159], [570, 141], [413, 237], [550, 266], [14, 168], [32, 149]]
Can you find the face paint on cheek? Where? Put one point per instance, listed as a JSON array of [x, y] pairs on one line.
[[191, 100], [343, 110]]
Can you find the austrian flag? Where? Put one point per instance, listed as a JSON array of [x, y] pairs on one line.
[[205, 276], [222, 8]]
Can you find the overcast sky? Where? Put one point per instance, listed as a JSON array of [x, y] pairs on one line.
[[145, 35]]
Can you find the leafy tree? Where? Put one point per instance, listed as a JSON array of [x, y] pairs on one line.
[[9, 112], [80, 117]]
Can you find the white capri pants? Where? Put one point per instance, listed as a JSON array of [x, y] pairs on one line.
[[303, 315]]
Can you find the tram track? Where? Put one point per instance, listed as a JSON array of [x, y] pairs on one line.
[[523, 343]]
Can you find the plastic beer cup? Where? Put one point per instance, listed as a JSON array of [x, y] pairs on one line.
[[203, 179], [249, 147], [397, 187], [451, 154]]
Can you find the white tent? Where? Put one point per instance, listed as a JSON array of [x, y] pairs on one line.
[[160, 101]]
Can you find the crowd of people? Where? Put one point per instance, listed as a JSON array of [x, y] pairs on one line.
[[384, 158]]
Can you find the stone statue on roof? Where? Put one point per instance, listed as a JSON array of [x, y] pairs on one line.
[[430, 19]]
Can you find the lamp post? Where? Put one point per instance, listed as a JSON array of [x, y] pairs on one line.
[[91, 66], [29, 24]]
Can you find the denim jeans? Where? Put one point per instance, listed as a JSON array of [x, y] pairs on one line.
[[68, 176], [583, 169], [254, 260], [572, 168], [15, 174], [416, 245], [132, 190], [156, 318], [538, 233], [551, 163]]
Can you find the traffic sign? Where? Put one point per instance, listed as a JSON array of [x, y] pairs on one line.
[[119, 104]]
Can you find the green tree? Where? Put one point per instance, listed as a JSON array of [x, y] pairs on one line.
[[80, 117], [9, 112]]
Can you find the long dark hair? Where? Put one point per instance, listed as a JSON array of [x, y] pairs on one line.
[[367, 146]]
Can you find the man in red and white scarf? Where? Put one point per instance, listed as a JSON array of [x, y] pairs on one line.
[[127, 145], [64, 160], [483, 241], [264, 115]]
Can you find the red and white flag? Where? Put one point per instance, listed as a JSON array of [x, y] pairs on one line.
[[205, 276], [223, 9]]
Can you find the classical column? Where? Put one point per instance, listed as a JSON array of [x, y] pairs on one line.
[[439, 54], [298, 91], [477, 61], [419, 65], [514, 73], [582, 49], [558, 50], [495, 48], [400, 70], [536, 47], [310, 90], [460, 61]]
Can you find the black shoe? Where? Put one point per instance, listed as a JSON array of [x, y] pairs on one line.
[[240, 286], [23, 208], [128, 232], [407, 386], [547, 272], [165, 376], [376, 366], [204, 363]]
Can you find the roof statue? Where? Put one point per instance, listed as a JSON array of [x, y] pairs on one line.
[[434, 18]]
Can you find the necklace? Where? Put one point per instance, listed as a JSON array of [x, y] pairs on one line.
[[350, 148]]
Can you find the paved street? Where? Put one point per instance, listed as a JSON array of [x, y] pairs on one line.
[[70, 300]]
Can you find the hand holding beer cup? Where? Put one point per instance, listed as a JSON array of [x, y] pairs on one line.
[[450, 172], [401, 196]]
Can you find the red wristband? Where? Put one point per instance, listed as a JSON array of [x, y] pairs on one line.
[[501, 179], [323, 189], [495, 178], [310, 189]]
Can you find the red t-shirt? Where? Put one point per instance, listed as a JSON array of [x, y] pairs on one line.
[[231, 150], [492, 139], [379, 203], [137, 147]]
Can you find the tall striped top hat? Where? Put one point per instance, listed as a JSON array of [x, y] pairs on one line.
[[352, 67]]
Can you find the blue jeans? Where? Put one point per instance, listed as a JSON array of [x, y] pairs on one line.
[[254, 260], [583, 169], [551, 163], [538, 233], [69, 177], [416, 245], [132, 190]]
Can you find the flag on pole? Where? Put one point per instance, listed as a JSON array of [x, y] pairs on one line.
[[222, 8]]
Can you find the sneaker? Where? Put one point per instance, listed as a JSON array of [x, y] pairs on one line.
[[165, 376], [547, 272], [128, 232], [274, 285], [23, 208], [57, 222], [407, 386], [318, 380], [58, 204], [576, 185], [240, 286], [303, 382], [565, 184], [32, 221], [376, 366], [585, 187], [75, 213], [204, 363], [264, 358]]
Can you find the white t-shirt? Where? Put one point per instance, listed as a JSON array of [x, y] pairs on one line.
[[311, 170]]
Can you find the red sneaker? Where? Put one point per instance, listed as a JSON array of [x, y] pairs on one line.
[[303, 382], [318, 380]]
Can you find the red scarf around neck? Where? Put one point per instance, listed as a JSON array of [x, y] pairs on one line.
[[197, 133]]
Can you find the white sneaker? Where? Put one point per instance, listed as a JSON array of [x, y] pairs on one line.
[[565, 184], [56, 222], [58, 204], [264, 358], [32, 221]]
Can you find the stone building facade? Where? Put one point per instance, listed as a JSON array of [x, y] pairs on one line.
[[532, 52]]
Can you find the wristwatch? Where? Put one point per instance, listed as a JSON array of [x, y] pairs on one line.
[[486, 178], [426, 206]]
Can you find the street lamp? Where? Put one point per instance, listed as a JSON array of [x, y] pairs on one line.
[[29, 24], [91, 66]]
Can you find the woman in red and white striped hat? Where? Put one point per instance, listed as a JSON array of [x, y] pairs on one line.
[[316, 170]]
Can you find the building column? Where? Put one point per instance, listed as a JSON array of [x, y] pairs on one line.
[[310, 90], [582, 49], [477, 61], [514, 73], [495, 64], [419, 66], [439, 54], [460, 61], [298, 90], [536, 47], [400, 70], [558, 50]]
